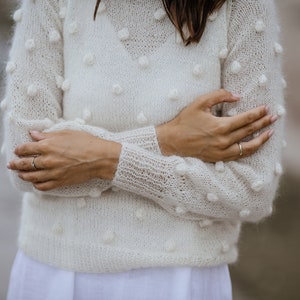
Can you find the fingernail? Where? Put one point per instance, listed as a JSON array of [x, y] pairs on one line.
[[8, 166], [33, 131], [271, 132], [236, 96], [274, 118], [267, 107]]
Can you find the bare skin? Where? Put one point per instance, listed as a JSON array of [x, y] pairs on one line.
[[70, 157]]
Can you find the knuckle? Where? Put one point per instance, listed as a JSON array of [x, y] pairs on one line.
[[23, 164], [251, 117], [250, 129], [222, 142], [221, 128]]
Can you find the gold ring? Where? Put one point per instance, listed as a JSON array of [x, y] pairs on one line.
[[241, 149], [33, 163]]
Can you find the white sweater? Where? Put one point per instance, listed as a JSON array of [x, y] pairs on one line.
[[117, 78]]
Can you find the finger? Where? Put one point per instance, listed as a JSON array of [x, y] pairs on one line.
[[37, 135], [247, 117], [28, 149], [207, 101], [250, 129], [248, 148], [45, 186], [22, 164], [37, 176]]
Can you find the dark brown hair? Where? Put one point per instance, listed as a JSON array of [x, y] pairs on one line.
[[190, 13]]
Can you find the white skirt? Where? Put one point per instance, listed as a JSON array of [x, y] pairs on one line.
[[31, 280]]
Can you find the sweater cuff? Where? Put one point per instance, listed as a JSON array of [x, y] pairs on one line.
[[144, 137], [142, 173]]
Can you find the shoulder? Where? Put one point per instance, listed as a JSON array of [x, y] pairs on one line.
[[252, 8]]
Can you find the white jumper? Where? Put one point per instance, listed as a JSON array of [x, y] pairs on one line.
[[117, 78]]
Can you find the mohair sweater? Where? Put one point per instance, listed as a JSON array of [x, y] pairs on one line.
[[117, 78]]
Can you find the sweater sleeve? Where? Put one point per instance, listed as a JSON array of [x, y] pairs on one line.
[[33, 99], [240, 190]]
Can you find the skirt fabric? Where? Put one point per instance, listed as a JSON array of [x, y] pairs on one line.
[[31, 280]]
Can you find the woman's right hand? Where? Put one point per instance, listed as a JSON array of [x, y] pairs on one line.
[[195, 132]]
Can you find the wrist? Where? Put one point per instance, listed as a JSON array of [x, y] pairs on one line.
[[108, 159], [164, 136]]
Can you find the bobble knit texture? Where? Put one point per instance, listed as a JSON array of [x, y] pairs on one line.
[[157, 211]]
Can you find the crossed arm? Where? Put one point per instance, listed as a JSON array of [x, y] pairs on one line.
[[174, 170]]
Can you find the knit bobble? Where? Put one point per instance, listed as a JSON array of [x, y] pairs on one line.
[[54, 36], [140, 214], [32, 90], [79, 121], [198, 70], [225, 247], [181, 169], [223, 53], [141, 119], [180, 210], [160, 14], [87, 114], [219, 166], [73, 28], [143, 62], [245, 213], [284, 83], [59, 81], [178, 39], [81, 203], [3, 149], [281, 111], [257, 185], [173, 95], [10, 67], [109, 237], [170, 246], [213, 16], [278, 48], [58, 229], [212, 197], [235, 67], [3, 104], [278, 169], [284, 144], [66, 85], [270, 211], [123, 34], [101, 8], [11, 118], [117, 89], [30, 45], [95, 193], [63, 12], [231, 112], [263, 80], [18, 15], [205, 223], [260, 26], [48, 123], [89, 59]]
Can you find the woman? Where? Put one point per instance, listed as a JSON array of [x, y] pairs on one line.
[[135, 165]]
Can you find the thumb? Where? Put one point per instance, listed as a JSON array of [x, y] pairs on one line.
[[209, 100], [37, 135]]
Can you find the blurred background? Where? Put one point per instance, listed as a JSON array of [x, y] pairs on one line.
[[269, 263]]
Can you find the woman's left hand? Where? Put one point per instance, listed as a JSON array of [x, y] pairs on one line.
[[64, 158]]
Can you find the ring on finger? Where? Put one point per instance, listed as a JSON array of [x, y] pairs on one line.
[[241, 148], [33, 163]]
